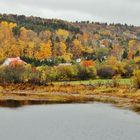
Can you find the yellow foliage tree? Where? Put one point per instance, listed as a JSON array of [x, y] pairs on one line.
[[77, 48], [44, 52], [132, 45], [62, 34], [62, 48], [24, 34], [2, 56], [59, 49], [13, 51]]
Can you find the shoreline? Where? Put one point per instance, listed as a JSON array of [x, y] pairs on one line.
[[17, 95]]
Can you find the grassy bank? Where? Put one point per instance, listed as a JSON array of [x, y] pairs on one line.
[[96, 81], [14, 95]]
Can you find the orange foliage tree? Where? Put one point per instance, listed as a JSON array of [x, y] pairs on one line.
[[88, 63]]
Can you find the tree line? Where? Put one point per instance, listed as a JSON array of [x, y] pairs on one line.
[[105, 50]]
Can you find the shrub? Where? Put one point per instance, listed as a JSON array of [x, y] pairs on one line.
[[106, 72], [36, 75], [128, 71], [136, 79], [51, 74], [66, 73], [85, 73], [12, 74]]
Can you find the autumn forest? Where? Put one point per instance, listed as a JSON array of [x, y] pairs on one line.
[[89, 49]]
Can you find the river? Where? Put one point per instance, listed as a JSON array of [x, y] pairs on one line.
[[93, 121]]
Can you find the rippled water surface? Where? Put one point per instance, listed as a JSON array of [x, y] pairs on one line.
[[69, 122]]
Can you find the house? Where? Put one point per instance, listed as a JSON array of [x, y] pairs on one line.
[[78, 60], [65, 64], [13, 61]]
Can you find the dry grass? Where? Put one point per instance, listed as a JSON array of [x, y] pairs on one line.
[[22, 94]]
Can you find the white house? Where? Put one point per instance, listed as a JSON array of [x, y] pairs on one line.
[[65, 64], [78, 60]]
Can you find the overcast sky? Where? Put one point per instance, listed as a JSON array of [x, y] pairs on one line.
[[118, 11]]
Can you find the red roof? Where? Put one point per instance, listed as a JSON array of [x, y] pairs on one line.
[[14, 61]]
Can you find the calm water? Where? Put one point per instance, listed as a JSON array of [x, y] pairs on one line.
[[69, 122]]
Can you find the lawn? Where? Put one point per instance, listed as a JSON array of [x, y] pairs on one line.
[[102, 81]]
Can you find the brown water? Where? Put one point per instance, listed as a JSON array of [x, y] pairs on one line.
[[69, 122]]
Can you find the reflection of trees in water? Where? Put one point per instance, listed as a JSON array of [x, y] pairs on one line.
[[16, 103], [20, 103]]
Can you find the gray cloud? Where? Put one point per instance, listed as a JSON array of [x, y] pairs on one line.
[[123, 11]]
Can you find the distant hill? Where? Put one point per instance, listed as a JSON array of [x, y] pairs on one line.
[[37, 39], [38, 24]]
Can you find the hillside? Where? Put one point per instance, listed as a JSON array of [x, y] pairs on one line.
[[38, 39], [38, 24], [88, 50]]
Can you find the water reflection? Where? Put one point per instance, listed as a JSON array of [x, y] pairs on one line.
[[19, 103]]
